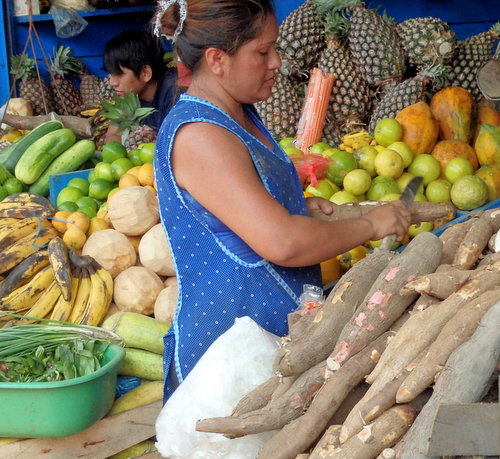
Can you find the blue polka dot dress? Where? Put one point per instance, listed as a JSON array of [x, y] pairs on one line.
[[220, 277]]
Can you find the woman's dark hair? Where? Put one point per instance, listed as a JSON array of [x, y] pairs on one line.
[[222, 24], [133, 49]]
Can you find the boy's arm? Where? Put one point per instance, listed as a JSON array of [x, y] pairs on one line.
[[113, 135]]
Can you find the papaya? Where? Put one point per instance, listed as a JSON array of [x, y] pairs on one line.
[[491, 176], [420, 129], [445, 150], [486, 115], [487, 145], [453, 108]]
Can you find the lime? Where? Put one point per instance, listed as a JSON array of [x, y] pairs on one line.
[[318, 148], [343, 197], [390, 197], [104, 171], [325, 189], [457, 168], [147, 152], [341, 163], [68, 194], [381, 186], [87, 201], [91, 176], [389, 163], [438, 190], [357, 181], [417, 228], [387, 131], [135, 157], [68, 206], [292, 150], [113, 150], [13, 185], [80, 183], [365, 156], [120, 166], [88, 211], [3, 193], [469, 192], [425, 166], [404, 179], [100, 188], [404, 150], [286, 142]]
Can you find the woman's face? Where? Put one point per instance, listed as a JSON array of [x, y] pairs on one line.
[[251, 69]]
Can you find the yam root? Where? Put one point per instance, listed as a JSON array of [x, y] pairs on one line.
[[257, 398], [440, 284], [372, 405], [383, 304], [475, 240], [277, 413], [317, 341], [383, 433], [451, 238], [420, 211], [455, 332], [327, 443], [423, 302], [80, 126], [295, 437], [422, 328], [463, 379]]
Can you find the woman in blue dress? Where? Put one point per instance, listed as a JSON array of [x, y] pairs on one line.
[[229, 197]]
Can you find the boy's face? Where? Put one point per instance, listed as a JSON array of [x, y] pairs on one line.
[[129, 82]]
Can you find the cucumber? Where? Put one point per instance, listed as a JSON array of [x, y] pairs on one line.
[[142, 364], [41, 153], [68, 161], [10, 155]]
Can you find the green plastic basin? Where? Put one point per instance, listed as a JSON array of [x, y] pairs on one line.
[[60, 408]]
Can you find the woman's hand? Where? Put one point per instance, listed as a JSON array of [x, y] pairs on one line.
[[390, 218], [323, 205]]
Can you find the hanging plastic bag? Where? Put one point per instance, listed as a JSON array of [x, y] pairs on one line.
[[67, 21], [236, 362]]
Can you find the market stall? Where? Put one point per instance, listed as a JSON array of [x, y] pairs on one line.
[[394, 355]]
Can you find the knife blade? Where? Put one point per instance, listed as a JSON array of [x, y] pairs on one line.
[[407, 197]]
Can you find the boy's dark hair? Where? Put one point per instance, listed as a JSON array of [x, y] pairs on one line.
[[133, 49]]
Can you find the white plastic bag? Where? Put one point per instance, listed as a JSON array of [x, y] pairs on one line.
[[236, 362]]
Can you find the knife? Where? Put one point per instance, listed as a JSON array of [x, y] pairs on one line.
[[407, 197]]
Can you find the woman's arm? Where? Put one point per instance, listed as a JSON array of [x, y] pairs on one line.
[[216, 169]]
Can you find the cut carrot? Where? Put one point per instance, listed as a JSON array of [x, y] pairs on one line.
[[312, 118]]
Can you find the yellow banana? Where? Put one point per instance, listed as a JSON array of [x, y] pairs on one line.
[[44, 305], [62, 309], [358, 139], [26, 246], [9, 234], [108, 280], [98, 301], [24, 205], [59, 260], [26, 295], [24, 271], [81, 298], [4, 221]]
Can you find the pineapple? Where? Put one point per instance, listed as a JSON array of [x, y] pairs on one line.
[[106, 92], [373, 41], [300, 40], [90, 86], [470, 56], [127, 114], [350, 99], [32, 87], [426, 40], [280, 113], [67, 98], [408, 92]]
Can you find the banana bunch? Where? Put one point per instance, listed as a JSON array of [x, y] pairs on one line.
[[25, 205], [63, 286], [354, 140]]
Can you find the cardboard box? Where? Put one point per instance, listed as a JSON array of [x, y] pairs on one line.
[[21, 7]]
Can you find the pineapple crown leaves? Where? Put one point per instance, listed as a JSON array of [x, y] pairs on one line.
[[125, 112], [64, 63], [336, 25], [325, 6], [22, 67], [437, 73]]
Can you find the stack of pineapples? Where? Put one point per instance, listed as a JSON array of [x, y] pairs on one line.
[[380, 67]]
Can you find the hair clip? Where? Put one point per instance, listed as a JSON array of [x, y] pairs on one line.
[[164, 5]]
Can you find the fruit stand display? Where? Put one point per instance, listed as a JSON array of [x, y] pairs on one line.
[[81, 241]]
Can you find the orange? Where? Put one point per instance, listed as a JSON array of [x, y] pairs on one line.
[[58, 221], [146, 174], [81, 220], [351, 257], [330, 270], [74, 237], [134, 171], [128, 180], [151, 188], [97, 224]]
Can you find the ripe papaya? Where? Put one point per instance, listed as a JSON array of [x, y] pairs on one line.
[[487, 145], [420, 129], [486, 115], [453, 108]]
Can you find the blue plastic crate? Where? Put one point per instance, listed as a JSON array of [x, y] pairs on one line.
[[58, 181]]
